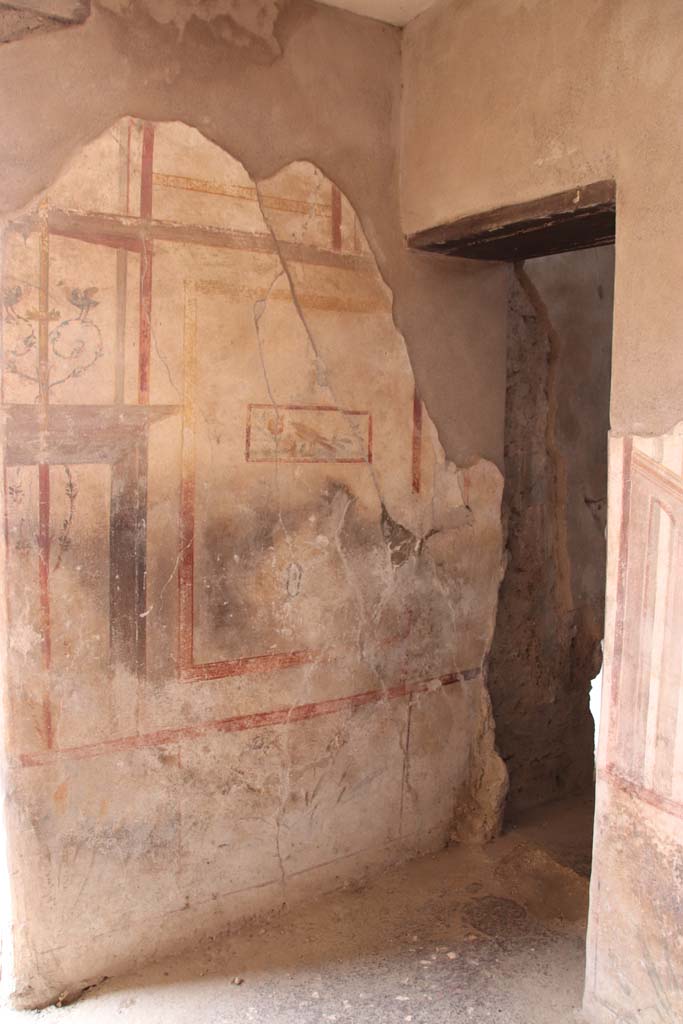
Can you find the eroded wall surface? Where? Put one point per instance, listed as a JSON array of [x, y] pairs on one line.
[[635, 940], [550, 619], [249, 601]]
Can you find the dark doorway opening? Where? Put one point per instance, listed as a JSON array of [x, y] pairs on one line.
[[547, 645]]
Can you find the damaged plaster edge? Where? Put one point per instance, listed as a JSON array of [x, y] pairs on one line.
[[7, 914], [483, 797], [442, 465], [489, 778], [20, 20], [485, 790], [252, 25]]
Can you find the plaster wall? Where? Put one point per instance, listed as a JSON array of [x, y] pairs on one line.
[[512, 100], [506, 101], [252, 554]]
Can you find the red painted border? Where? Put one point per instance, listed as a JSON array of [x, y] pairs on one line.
[[147, 170], [307, 408], [611, 774], [241, 723], [146, 178], [249, 665], [620, 611], [417, 443]]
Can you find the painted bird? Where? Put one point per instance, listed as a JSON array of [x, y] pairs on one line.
[[82, 299], [311, 435], [10, 297]]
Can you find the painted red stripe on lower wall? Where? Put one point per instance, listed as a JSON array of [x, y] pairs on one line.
[[612, 776], [241, 723]]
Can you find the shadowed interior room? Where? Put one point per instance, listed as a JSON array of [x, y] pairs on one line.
[[341, 410]]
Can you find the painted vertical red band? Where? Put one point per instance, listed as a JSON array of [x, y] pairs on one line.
[[145, 347], [336, 218], [620, 611], [44, 558], [147, 170], [145, 323], [417, 443], [186, 576], [128, 151]]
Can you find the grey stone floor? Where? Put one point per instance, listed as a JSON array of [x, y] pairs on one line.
[[467, 935]]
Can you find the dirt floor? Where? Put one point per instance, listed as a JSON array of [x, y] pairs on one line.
[[468, 935]]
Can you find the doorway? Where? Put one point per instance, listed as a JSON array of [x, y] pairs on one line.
[[547, 647]]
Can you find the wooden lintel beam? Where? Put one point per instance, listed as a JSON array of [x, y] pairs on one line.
[[576, 219]]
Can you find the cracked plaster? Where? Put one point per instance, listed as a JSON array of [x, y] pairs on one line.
[[302, 698]]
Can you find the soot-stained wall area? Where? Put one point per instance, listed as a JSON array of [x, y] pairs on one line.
[[253, 537], [550, 623]]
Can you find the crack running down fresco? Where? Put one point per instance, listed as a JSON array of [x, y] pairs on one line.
[[250, 603]]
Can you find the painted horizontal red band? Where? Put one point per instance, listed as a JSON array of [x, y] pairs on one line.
[[241, 723], [250, 665], [308, 408], [611, 774]]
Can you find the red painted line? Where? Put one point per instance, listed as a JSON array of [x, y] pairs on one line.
[[417, 443], [128, 149], [145, 346], [147, 170], [612, 774], [188, 670], [130, 243], [336, 218], [261, 663], [655, 473], [242, 723], [44, 558], [621, 593], [254, 664], [307, 461], [314, 462], [186, 578], [312, 408]]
